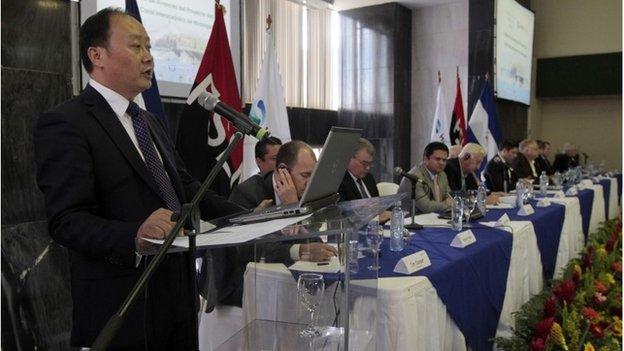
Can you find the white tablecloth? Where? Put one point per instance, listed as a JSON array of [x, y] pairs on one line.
[[409, 314]]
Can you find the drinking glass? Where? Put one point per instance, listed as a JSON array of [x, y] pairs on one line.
[[374, 237], [470, 201], [310, 290]]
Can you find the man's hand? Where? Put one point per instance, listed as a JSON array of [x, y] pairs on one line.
[[492, 199], [157, 225], [385, 216], [263, 205], [317, 252], [285, 187]]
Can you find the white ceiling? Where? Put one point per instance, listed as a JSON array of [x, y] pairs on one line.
[[340, 5]]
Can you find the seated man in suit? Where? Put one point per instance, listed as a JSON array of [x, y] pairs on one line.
[[358, 182], [542, 162], [525, 162], [266, 153], [499, 175], [433, 194], [285, 185], [566, 160], [460, 171]]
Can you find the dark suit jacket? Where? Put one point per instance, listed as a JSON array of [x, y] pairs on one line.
[[349, 190], [523, 168], [98, 191], [497, 172], [453, 175], [563, 162], [543, 164], [249, 194]]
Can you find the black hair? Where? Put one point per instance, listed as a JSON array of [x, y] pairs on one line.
[[433, 146], [95, 31], [542, 143], [261, 146], [508, 145]]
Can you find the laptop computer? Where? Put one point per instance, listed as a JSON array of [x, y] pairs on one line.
[[322, 188]]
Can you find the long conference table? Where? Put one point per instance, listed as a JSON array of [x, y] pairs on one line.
[[410, 312]]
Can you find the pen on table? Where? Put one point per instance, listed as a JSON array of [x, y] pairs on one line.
[[322, 264]]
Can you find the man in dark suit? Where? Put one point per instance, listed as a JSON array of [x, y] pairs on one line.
[[460, 171], [266, 154], [294, 165], [358, 182], [525, 162], [111, 176], [499, 174], [566, 160], [542, 162]]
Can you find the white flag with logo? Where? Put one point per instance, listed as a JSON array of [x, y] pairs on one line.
[[441, 124], [268, 108]]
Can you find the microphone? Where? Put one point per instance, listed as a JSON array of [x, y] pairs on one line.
[[400, 172], [240, 121]]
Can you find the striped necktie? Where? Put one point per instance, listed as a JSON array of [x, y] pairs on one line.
[[360, 185], [152, 161]]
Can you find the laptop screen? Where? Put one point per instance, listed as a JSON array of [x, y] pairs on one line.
[[327, 175]]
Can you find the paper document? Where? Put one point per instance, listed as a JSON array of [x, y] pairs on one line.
[[236, 234]]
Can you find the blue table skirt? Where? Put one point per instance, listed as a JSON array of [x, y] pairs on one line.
[[471, 282], [606, 187], [586, 200], [548, 223], [618, 177]]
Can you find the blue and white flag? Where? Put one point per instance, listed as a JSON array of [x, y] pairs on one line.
[[483, 127], [151, 97], [441, 123], [268, 108]]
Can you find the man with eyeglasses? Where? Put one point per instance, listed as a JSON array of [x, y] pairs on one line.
[[358, 182]]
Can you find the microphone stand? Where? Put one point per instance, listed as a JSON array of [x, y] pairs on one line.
[[190, 211], [413, 225]]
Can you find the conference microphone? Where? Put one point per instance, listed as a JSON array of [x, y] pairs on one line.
[[400, 172], [240, 121]]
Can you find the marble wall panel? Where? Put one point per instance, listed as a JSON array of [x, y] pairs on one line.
[[440, 43], [376, 81], [36, 35], [35, 289], [25, 95]]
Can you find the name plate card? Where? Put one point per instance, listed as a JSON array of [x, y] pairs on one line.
[[572, 191], [526, 210], [543, 203], [503, 220], [463, 239], [412, 263]]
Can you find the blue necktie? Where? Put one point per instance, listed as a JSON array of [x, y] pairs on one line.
[[155, 166]]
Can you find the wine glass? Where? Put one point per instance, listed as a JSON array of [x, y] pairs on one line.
[[470, 201], [374, 237], [310, 290]]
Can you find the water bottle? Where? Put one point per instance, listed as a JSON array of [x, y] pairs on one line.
[[457, 213], [481, 198], [396, 228], [543, 182], [520, 190], [557, 179]]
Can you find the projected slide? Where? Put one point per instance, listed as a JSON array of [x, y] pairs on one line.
[[514, 51], [179, 32]]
